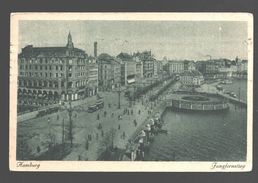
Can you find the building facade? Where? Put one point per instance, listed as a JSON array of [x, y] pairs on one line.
[[191, 78], [109, 74], [139, 70], [148, 63], [128, 68], [92, 82], [48, 75], [189, 65], [176, 67]]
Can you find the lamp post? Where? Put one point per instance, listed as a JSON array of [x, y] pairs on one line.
[[70, 122], [119, 93]]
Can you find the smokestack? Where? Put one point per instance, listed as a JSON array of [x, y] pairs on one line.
[[95, 49]]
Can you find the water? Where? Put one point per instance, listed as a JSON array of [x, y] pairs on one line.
[[201, 137], [236, 85], [194, 136]]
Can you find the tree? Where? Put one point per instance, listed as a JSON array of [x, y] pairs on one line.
[[23, 150], [108, 141]]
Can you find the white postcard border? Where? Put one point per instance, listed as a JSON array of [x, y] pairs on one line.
[[104, 166]]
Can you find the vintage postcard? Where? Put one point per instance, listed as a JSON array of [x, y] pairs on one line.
[[134, 92]]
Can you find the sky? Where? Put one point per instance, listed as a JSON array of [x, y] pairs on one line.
[[177, 40]]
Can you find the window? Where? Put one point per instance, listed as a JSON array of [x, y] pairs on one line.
[[26, 67], [45, 67], [56, 75], [29, 66], [61, 67], [41, 67], [57, 68], [50, 75], [46, 61], [41, 74], [20, 66], [70, 75], [50, 67], [36, 67], [46, 75]]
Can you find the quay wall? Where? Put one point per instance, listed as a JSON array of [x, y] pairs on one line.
[[197, 106], [160, 109], [235, 100], [225, 97]]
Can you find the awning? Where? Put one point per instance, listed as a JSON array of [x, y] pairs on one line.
[[129, 81]]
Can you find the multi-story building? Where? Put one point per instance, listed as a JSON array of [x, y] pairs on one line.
[[92, 84], [159, 67], [128, 68], [139, 70], [47, 75], [191, 78], [241, 65], [155, 69], [175, 67], [189, 65], [109, 72], [148, 63], [209, 69]]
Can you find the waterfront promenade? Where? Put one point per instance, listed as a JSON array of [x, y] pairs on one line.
[[88, 140], [211, 88]]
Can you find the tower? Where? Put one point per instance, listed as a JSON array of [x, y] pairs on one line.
[[69, 41], [95, 49]]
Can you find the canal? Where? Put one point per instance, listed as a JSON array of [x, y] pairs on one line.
[[194, 136]]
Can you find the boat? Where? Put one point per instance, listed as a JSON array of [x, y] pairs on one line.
[[226, 82], [219, 87], [232, 94], [226, 91]]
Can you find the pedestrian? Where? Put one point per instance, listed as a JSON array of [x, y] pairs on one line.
[[100, 126], [123, 135], [38, 149], [87, 145], [119, 126], [135, 123]]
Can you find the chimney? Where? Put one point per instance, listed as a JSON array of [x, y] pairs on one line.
[[95, 49]]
